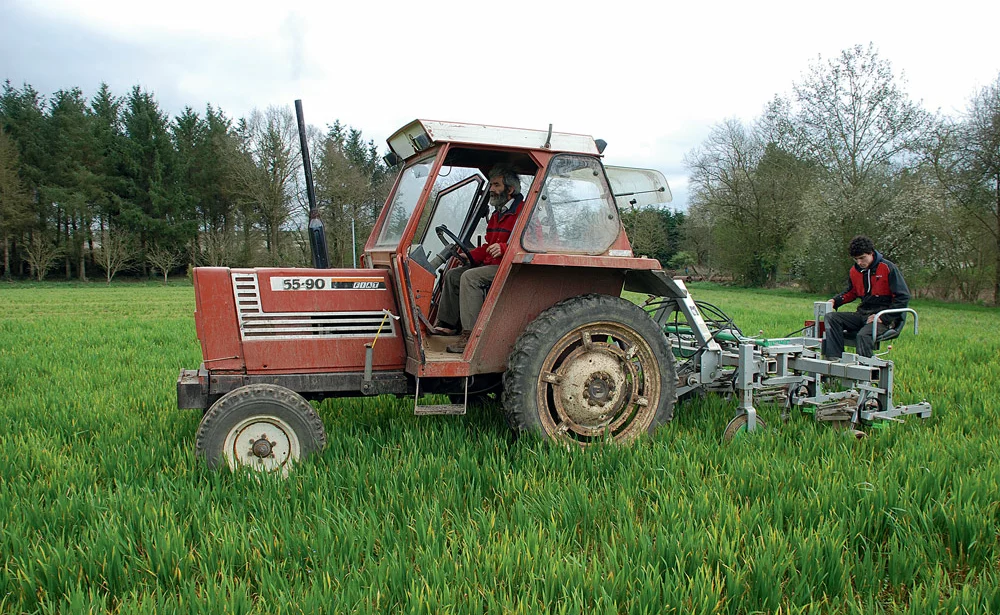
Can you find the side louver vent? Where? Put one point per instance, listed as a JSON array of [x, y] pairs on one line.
[[257, 324]]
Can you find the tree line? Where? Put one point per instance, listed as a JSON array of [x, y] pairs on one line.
[[112, 184], [777, 199]]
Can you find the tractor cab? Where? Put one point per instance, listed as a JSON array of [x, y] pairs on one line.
[[567, 240]]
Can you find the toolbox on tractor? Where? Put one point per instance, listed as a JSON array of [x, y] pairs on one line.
[[555, 343]]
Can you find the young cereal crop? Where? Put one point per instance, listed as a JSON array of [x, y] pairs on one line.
[[104, 507]]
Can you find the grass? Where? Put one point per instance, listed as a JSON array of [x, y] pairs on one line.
[[103, 506]]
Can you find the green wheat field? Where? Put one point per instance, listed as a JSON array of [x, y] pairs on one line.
[[104, 507]]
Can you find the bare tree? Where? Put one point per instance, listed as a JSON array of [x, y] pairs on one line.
[[754, 192], [162, 259], [855, 122], [646, 231], [344, 192], [698, 240], [115, 253], [42, 255], [219, 248], [966, 159], [951, 252], [266, 171]]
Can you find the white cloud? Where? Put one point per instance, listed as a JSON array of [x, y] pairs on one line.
[[650, 78]]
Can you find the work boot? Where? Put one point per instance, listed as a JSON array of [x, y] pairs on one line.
[[459, 346], [442, 328]]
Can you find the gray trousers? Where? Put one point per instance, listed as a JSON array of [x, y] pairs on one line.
[[463, 294], [853, 322]]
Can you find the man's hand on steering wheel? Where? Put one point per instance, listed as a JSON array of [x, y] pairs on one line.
[[444, 234]]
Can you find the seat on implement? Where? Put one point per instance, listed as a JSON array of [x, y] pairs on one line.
[[885, 335], [851, 337]]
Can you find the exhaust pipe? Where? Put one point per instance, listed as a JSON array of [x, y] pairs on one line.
[[317, 233]]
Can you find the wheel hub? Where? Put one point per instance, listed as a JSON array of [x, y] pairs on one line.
[[262, 447], [598, 389], [264, 443], [592, 386]]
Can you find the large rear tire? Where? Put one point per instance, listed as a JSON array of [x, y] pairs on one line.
[[590, 369], [264, 427]]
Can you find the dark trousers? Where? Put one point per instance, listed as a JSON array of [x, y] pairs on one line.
[[463, 294], [852, 322]]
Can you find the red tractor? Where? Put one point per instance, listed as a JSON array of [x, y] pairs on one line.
[[569, 358]]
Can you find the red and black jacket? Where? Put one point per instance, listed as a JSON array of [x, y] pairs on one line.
[[880, 287], [498, 229]]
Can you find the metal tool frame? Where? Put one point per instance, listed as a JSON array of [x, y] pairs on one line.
[[788, 370]]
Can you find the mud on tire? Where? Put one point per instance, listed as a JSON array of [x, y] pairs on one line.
[[590, 369]]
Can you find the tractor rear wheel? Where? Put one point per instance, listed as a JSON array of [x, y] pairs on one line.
[[264, 427], [590, 369]]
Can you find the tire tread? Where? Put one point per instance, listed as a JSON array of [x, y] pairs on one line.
[[533, 341], [218, 413]]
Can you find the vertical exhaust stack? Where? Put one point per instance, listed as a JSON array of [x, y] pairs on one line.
[[317, 234]]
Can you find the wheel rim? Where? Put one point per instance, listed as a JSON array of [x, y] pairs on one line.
[[263, 443], [737, 427], [600, 381]]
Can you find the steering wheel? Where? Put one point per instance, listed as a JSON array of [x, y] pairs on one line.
[[444, 234]]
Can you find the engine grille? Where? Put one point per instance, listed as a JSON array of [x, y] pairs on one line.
[[257, 324]]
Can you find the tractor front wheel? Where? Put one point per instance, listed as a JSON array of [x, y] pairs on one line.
[[590, 369], [264, 427]]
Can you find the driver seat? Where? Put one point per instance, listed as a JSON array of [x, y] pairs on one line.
[[886, 333], [851, 338]]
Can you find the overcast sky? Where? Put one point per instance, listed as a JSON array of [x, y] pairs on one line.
[[650, 78]]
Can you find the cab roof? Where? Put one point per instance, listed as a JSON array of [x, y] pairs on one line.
[[420, 135]]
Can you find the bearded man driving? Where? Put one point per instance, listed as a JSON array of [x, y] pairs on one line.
[[464, 287]]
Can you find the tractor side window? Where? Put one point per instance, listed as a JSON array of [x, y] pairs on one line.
[[575, 212], [452, 200]]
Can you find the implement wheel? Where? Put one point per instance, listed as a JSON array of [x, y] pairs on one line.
[[264, 427], [737, 427], [590, 369]]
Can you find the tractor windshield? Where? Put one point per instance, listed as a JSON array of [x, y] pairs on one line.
[[411, 183]]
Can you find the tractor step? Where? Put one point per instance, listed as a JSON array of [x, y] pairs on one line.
[[454, 409], [429, 409]]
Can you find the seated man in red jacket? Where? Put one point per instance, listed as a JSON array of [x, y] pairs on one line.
[[462, 296], [880, 286]]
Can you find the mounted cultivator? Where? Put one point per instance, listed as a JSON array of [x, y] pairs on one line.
[[713, 355]]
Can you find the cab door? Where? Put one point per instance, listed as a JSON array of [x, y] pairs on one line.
[[452, 207]]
